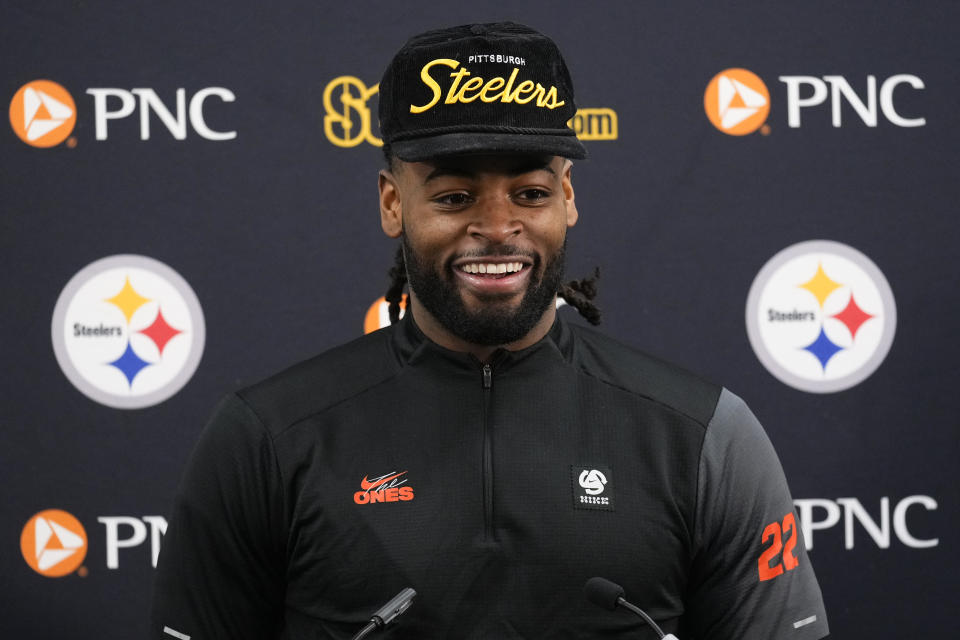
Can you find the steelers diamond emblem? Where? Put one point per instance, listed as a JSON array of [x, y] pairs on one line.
[[128, 331], [821, 316]]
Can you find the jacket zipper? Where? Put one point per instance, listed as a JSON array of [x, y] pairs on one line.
[[487, 468]]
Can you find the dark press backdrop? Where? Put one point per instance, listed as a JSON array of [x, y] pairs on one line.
[[189, 204]]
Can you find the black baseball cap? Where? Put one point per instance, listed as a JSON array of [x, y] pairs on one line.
[[500, 87]]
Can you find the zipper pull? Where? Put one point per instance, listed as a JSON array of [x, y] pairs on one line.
[[487, 376]]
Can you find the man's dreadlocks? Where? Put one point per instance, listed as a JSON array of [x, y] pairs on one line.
[[579, 294]]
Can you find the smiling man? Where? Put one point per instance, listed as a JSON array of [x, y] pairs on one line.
[[483, 450], [483, 240]]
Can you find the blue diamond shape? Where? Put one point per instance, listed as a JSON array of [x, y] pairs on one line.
[[130, 364], [823, 348]]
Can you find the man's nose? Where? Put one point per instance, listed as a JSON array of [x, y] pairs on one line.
[[495, 220]]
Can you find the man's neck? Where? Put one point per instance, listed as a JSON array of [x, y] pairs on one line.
[[439, 334]]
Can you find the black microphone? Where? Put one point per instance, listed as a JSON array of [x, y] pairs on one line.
[[388, 612], [609, 595]]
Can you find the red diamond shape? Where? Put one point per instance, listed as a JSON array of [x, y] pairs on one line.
[[160, 332], [853, 317]]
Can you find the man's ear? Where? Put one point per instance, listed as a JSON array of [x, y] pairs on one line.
[[391, 207], [567, 184]]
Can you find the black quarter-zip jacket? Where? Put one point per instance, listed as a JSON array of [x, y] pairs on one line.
[[495, 490]]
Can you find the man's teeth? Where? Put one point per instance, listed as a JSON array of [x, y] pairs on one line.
[[489, 267]]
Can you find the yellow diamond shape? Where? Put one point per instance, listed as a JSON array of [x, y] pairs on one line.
[[128, 300], [820, 285]]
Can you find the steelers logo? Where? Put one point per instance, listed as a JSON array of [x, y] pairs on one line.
[[128, 331], [821, 316]]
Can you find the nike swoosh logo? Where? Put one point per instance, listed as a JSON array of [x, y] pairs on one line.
[[366, 485]]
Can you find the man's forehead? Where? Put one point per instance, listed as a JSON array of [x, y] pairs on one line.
[[475, 165]]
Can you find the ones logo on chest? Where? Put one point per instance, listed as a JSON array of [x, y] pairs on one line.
[[390, 487]]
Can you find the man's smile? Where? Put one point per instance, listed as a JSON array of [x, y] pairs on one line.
[[491, 268], [502, 275]]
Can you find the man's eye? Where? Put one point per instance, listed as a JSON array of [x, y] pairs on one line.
[[453, 199], [533, 195]]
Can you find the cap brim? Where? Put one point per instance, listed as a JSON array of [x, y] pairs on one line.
[[453, 144]]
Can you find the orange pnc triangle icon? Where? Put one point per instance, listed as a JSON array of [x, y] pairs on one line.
[[736, 102], [42, 113], [53, 543]]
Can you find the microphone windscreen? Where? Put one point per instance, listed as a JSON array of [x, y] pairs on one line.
[[603, 593]]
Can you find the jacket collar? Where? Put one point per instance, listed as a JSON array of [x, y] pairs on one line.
[[412, 346]]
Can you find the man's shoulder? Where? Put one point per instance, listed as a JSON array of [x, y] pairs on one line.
[[641, 373], [313, 385]]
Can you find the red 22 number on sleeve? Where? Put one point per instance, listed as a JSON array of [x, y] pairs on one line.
[[777, 531]]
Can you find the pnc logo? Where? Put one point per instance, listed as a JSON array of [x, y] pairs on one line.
[[737, 102], [128, 331], [853, 512], [348, 120], [386, 488], [42, 113], [53, 543]]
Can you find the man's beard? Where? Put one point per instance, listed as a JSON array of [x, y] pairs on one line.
[[494, 323]]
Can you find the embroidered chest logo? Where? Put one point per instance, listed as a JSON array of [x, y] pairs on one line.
[[390, 487], [592, 487]]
